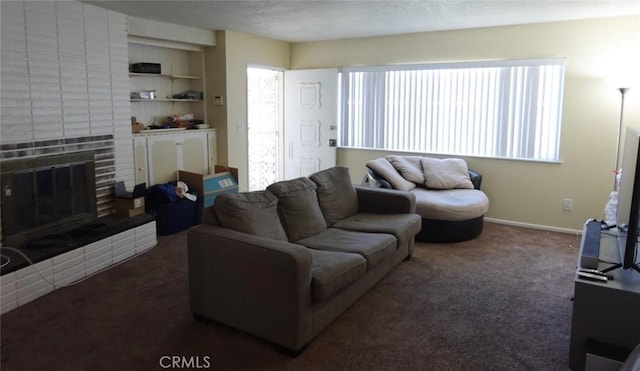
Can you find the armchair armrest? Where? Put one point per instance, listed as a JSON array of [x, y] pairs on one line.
[[379, 179], [476, 179], [255, 284], [385, 201]]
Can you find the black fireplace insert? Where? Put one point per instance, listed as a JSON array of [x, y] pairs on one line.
[[47, 195]]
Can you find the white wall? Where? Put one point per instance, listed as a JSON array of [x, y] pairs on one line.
[[150, 29], [65, 75]]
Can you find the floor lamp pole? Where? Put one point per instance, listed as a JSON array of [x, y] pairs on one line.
[[623, 91]]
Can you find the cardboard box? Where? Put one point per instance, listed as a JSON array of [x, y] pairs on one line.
[[129, 207], [223, 180]]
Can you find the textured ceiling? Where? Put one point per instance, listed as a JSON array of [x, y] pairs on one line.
[[307, 20]]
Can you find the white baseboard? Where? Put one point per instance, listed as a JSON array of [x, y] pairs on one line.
[[534, 226]]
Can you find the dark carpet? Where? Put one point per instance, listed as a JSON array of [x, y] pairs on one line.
[[500, 302]]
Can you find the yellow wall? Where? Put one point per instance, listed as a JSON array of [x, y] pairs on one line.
[[240, 50], [216, 85], [526, 193]]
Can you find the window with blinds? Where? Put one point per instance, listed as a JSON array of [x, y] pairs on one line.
[[504, 109]]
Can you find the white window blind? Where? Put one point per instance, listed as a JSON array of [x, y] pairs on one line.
[[507, 109]]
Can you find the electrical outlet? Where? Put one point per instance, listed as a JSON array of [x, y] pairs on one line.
[[567, 204]]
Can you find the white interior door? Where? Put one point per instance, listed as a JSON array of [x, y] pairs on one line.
[[310, 101]]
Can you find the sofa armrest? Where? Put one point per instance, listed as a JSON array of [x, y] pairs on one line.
[[476, 179], [209, 216], [385, 201], [255, 284]]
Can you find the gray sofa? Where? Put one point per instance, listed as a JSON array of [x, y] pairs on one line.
[[283, 263]]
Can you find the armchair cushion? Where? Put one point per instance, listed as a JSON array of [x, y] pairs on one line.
[[409, 166], [254, 213], [336, 194], [451, 204], [448, 173], [298, 207], [384, 168]]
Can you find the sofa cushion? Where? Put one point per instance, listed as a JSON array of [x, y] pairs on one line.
[[384, 168], [448, 173], [409, 166], [450, 204], [298, 207], [336, 194], [374, 247], [333, 271], [254, 213], [403, 226]]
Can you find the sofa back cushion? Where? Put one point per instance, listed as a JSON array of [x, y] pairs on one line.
[[336, 195], [255, 213], [384, 168], [299, 208], [448, 173]]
